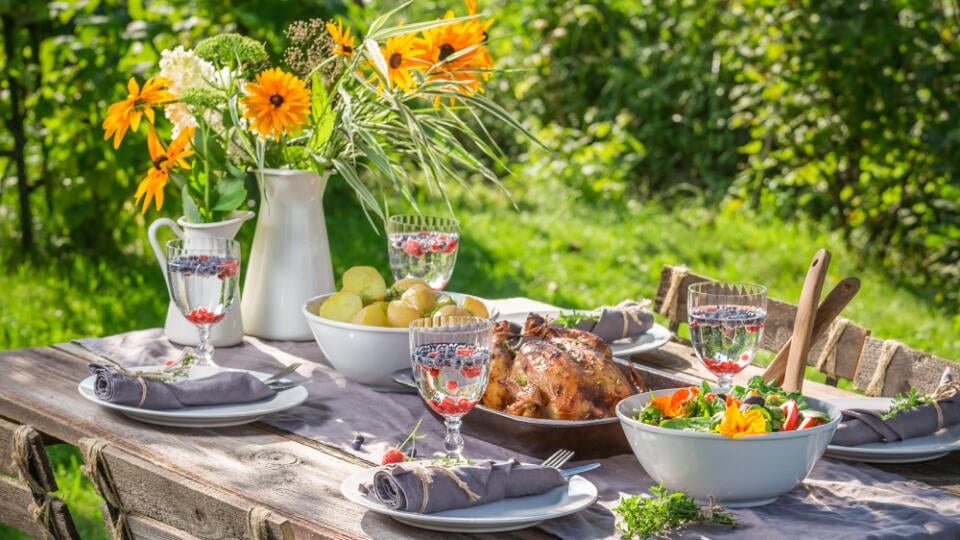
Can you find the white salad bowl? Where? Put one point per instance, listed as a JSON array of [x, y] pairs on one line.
[[751, 470], [367, 354]]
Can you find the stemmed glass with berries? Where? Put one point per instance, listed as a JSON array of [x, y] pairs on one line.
[[726, 325], [423, 247], [451, 366], [203, 275]]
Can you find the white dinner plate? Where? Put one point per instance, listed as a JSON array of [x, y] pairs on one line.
[[233, 414], [912, 450], [503, 515], [652, 339]]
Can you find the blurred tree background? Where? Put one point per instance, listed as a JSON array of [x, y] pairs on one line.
[[844, 113]]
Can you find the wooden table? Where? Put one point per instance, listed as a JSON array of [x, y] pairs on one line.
[[176, 483]]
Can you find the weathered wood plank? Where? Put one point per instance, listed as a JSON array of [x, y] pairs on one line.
[[671, 302], [38, 466], [15, 511], [908, 368]]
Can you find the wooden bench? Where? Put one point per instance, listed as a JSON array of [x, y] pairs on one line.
[[25, 485]]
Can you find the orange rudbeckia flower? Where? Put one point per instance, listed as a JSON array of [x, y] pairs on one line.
[[402, 55], [736, 424], [278, 102], [151, 187], [342, 38], [127, 114]]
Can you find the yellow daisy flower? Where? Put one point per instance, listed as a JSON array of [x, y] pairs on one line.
[[163, 160], [457, 52], [127, 114], [278, 102], [402, 54], [736, 424], [342, 38]]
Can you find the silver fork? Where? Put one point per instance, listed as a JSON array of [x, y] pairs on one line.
[[558, 458]]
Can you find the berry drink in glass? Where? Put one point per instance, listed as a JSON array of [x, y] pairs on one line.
[[726, 325], [451, 365]]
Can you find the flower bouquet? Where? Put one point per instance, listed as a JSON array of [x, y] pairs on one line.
[[402, 103]]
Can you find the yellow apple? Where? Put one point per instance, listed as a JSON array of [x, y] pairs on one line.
[[365, 281], [452, 311], [372, 315], [400, 314], [399, 287], [476, 307], [341, 306], [421, 297]]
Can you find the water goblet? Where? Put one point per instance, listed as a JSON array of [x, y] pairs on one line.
[[451, 366], [203, 275], [423, 247], [726, 325]]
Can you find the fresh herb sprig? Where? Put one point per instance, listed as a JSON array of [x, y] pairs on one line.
[[902, 402], [665, 512], [572, 319]]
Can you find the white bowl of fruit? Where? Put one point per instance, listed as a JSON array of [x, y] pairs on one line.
[[362, 328]]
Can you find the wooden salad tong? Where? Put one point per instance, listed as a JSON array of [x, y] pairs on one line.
[[811, 322], [829, 309]]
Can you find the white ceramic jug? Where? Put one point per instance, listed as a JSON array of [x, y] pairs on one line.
[[289, 260], [179, 330]]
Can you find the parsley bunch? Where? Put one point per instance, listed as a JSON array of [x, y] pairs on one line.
[[663, 513]]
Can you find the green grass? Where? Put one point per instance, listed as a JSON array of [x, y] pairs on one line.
[[553, 247]]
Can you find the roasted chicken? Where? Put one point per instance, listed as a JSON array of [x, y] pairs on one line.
[[544, 371]]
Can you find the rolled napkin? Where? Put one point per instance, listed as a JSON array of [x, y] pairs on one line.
[[146, 393], [861, 426], [627, 319], [424, 488]]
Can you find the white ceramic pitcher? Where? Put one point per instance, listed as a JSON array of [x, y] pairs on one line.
[[229, 331], [289, 260]]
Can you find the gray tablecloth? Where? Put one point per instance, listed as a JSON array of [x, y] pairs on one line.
[[838, 499]]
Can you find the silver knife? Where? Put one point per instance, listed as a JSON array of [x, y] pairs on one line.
[[577, 470]]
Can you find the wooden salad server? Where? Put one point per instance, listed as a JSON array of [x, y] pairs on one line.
[[803, 325], [829, 309]]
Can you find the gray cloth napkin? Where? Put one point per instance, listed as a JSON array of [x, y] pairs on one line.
[[225, 387], [425, 489], [861, 426], [626, 319]]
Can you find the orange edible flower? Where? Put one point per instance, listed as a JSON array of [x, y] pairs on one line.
[[672, 405], [736, 424]]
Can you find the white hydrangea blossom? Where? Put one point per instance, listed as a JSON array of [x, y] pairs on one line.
[[185, 69]]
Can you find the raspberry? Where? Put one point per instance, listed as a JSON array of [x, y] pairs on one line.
[[392, 455]]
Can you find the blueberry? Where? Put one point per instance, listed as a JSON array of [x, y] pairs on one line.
[[357, 442], [754, 400]]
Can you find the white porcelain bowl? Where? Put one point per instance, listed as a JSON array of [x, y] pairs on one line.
[[366, 354], [752, 470]]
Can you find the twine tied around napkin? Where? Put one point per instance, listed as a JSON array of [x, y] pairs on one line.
[[426, 488], [862, 426], [131, 389], [627, 319]]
